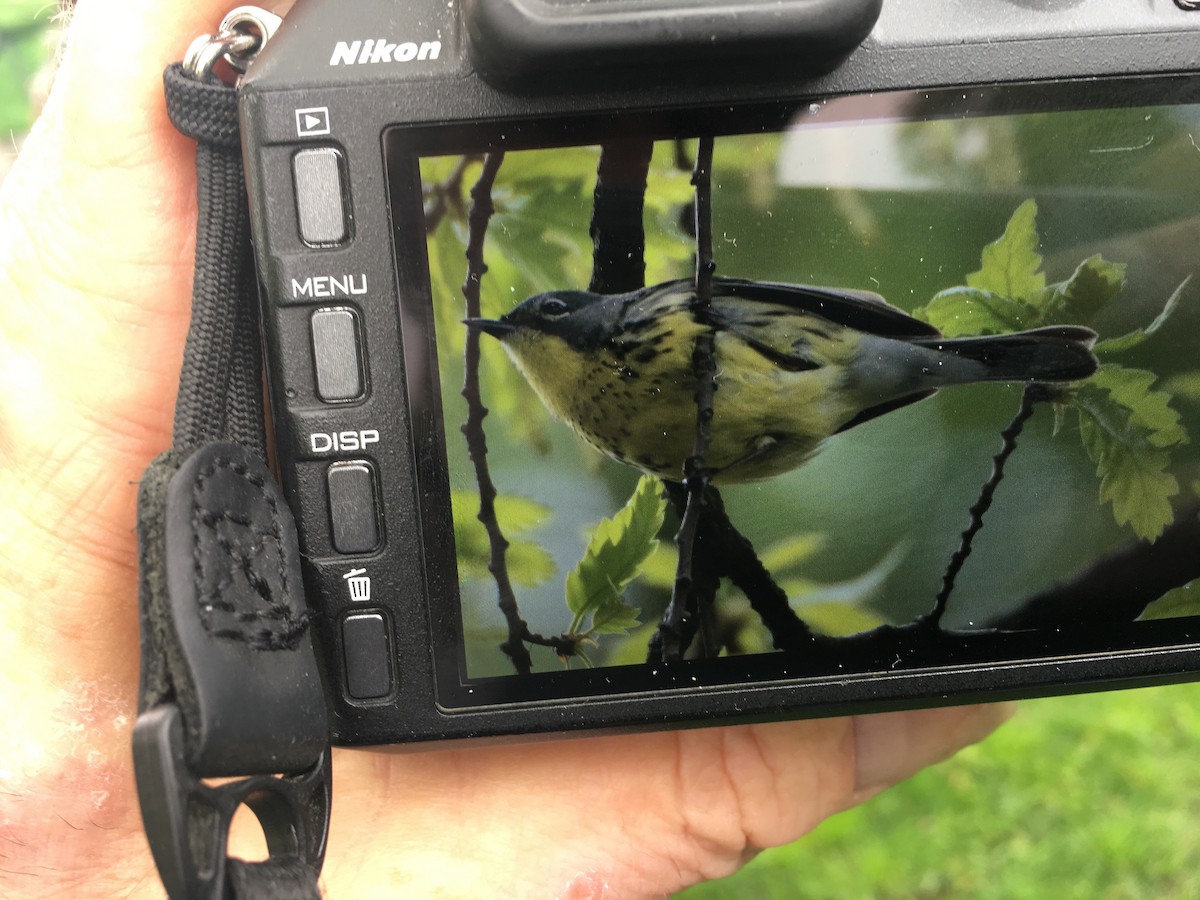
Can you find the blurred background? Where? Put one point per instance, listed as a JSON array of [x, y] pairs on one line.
[[1081, 797]]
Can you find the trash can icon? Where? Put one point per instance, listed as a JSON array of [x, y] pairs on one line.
[[359, 585]]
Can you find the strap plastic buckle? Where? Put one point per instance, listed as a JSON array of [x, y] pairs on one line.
[[187, 821]]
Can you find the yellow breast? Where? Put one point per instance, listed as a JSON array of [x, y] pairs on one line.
[[636, 402]]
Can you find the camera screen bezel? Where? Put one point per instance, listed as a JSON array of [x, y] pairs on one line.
[[403, 146]]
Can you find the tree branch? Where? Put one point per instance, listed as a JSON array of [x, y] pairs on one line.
[[618, 207]]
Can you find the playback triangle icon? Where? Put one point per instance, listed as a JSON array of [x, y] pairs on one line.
[[312, 121]]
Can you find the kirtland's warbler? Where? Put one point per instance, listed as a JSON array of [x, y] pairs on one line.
[[794, 365]]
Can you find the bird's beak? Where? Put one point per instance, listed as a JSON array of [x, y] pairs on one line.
[[494, 327]]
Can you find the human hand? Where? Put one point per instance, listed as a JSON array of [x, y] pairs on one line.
[[96, 238]]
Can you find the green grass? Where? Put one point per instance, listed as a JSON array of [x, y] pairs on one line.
[[1093, 797], [24, 25]]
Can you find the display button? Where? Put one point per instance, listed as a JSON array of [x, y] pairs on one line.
[[337, 356], [320, 199], [366, 655], [352, 508]]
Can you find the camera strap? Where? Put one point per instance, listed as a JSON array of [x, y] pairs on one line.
[[229, 682]]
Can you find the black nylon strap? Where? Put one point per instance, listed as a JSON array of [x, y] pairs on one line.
[[220, 388], [271, 879], [230, 685]]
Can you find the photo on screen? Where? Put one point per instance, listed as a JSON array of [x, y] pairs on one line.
[[956, 372]]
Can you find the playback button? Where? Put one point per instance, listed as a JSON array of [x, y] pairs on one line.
[[320, 196]]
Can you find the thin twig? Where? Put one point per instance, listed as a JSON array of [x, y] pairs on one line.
[[519, 634], [477, 222], [684, 605], [1008, 437]]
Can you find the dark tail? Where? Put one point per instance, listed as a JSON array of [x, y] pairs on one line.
[[1059, 353]]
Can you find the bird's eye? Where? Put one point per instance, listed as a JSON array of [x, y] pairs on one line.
[[554, 308]]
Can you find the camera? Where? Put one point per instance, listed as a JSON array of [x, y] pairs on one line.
[[651, 364]]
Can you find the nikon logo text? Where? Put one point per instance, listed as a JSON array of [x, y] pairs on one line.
[[359, 53]]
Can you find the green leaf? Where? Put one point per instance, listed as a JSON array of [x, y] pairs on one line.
[[616, 550], [1094, 284], [659, 568], [528, 563], [840, 619], [856, 591], [791, 551], [1127, 430], [1184, 386], [1012, 267], [1147, 409], [1134, 338], [963, 311], [1182, 601]]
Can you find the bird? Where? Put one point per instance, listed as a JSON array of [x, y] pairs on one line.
[[795, 364]]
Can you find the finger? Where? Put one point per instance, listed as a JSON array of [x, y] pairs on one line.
[[890, 747]]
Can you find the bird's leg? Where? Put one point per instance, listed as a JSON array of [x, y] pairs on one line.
[[697, 579]]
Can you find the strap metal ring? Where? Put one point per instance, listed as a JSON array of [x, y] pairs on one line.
[[203, 53], [254, 22]]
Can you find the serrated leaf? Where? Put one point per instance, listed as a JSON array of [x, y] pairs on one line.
[[1147, 409], [616, 550], [615, 618], [1134, 338], [1094, 284], [1182, 601], [1130, 456], [1012, 267], [964, 311]]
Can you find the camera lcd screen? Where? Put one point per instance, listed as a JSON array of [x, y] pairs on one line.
[[954, 342]]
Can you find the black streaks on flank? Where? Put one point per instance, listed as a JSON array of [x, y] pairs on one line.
[[785, 361], [645, 355]]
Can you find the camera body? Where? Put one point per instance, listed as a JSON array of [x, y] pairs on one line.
[[343, 112]]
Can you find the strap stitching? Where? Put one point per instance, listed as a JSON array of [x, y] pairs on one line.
[[292, 626]]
